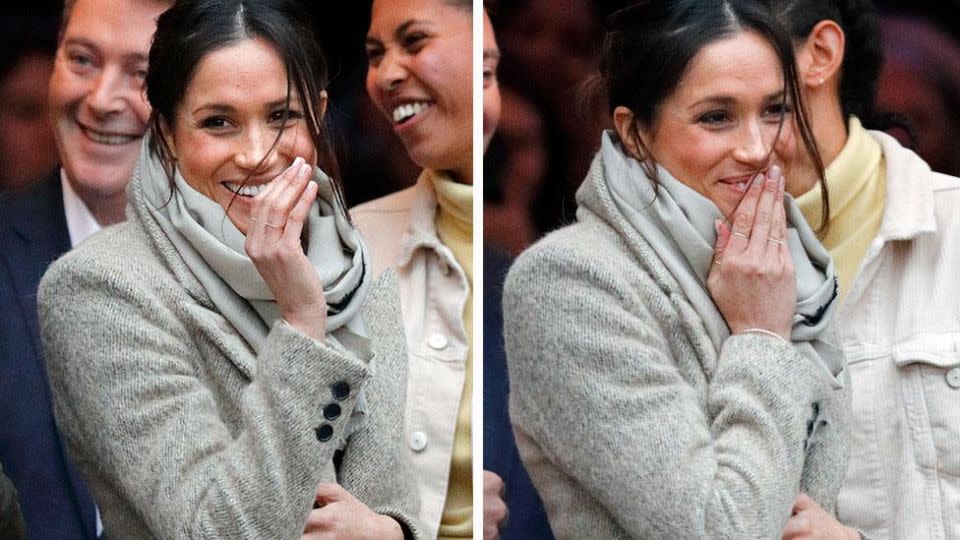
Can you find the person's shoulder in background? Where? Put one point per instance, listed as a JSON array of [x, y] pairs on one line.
[[527, 518]]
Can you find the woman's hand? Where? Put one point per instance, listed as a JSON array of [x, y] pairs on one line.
[[494, 509], [810, 522], [342, 517], [752, 280], [273, 244]]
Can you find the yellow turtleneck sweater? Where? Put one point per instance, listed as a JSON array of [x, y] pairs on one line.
[[454, 224], [856, 183]]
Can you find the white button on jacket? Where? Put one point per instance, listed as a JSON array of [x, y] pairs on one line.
[[400, 233]]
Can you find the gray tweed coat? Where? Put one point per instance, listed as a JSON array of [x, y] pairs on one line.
[[630, 422], [180, 431]]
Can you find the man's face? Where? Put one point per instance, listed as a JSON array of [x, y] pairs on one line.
[[27, 149], [97, 103]]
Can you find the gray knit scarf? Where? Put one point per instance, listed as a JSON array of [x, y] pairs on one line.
[[678, 223], [212, 248]]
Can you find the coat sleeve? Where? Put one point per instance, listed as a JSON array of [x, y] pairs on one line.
[[596, 386], [375, 468], [126, 376]]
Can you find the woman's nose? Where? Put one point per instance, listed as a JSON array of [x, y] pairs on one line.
[[752, 146], [254, 150], [390, 72]]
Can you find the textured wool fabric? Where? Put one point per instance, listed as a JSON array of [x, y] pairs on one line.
[[454, 223], [678, 223], [181, 429], [631, 422], [856, 182]]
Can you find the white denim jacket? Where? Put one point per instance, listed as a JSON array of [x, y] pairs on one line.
[[900, 329], [400, 233]]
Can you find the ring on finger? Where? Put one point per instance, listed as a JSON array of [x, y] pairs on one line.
[[772, 239], [741, 234], [272, 226]]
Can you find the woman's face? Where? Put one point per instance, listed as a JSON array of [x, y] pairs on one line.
[[231, 114], [718, 126], [419, 75]]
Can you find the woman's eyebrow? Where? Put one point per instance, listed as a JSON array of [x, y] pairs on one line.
[[726, 101], [398, 33]]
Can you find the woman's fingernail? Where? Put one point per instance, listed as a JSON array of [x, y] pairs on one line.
[[305, 169], [758, 179], [775, 172]]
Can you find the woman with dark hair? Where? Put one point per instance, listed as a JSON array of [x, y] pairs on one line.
[[670, 362], [894, 233], [419, 76], [223, 364]]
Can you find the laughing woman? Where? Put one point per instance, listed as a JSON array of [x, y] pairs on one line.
[[223, 364], [419, 77], [670, 370]]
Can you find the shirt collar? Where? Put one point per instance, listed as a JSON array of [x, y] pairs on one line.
[[422, 231], [80, 221], [909, 206]]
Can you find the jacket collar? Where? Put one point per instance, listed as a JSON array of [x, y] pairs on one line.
[[422, 232], [909, 205], [35, 235]]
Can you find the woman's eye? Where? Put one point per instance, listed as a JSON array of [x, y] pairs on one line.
[[413, 42], [215, 123], [374, 55], [714, 118], [778, 110], [285, 115], [489, 74]]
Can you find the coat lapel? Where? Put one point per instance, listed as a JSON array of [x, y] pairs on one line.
[[34, 234]]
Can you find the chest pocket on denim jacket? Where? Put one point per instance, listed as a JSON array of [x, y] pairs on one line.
[[929, 367]]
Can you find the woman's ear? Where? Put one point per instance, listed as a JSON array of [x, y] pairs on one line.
[[820, 56], [623, 122]]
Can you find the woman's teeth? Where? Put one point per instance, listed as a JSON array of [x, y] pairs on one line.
[[405, 112], [246, 191]]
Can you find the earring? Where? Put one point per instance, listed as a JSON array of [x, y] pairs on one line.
[[820, 82]]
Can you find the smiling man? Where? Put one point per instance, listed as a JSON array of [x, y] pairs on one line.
[[99, 116]]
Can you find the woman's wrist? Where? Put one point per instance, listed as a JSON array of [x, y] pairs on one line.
[[315, 327], [763, 331]]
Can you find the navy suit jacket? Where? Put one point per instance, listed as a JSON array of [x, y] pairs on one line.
[[55, 503], [527, 519]]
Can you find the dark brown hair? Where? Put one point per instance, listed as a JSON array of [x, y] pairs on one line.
[[192, 29], [649, 45]]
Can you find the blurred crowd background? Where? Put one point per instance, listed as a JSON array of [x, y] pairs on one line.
[[372, 160], [549, 128]]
